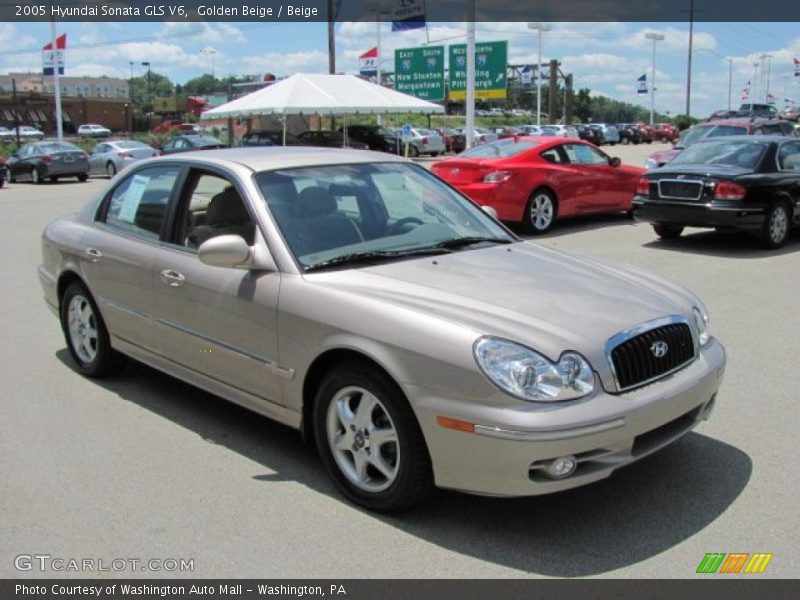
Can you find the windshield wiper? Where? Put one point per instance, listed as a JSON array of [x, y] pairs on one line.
[[460, 242], [362, 257]]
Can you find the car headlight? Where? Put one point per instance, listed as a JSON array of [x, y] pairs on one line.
[[701, 321], [528, 375], [650, 164]]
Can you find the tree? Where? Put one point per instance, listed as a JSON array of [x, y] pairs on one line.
[[160, 86]]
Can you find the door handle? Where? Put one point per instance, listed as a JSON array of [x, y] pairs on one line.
[[172, 278], [94, 254]]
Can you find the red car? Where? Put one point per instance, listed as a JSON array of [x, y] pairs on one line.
[[535, 180], [664, 132], [647, 133]]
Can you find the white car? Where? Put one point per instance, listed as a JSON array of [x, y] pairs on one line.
[[25, 131], [424, 141], [92, 130]]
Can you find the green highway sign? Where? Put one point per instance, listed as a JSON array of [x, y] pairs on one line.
[[491, 60], [420, 72]]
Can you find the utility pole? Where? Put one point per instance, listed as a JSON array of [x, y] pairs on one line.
[[689, 62], [470, 83], [768, 58], [331, 39], [656, 37], [540, 28]]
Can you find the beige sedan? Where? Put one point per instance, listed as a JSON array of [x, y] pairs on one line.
[[409, 335]]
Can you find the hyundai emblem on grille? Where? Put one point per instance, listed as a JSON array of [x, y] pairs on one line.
[[659, 349]]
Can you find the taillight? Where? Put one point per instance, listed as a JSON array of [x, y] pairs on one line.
[[123, 154], [727, 190], [47, 159], [497, 177], [424, 141], [643, 187]]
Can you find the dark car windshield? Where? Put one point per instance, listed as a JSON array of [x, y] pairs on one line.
[[696, 134], [500, 149], [57, 147], [744, 154], [202, 140], [330, 215]]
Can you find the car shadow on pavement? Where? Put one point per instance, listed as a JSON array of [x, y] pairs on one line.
[[573, 225], [726, 244], [636, 514]]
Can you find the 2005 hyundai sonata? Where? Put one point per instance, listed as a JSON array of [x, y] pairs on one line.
[[406, 332]]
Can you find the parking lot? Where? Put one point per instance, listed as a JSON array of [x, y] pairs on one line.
[[144, 466]]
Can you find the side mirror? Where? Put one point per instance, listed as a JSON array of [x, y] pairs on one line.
[[489, 210], [232, 252], [615, 162]]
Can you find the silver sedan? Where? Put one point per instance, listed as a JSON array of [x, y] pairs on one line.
[[109, 158], [408, 334]]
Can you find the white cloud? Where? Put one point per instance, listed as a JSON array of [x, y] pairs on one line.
[[313, 61]]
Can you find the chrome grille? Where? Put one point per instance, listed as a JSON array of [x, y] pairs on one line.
[[650, 354], [680, 189]]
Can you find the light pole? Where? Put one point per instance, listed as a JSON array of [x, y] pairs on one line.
[[656, 37], [210, 52], [541, 28], [149, 98], [730, 70], [768, 58], [755, 83]]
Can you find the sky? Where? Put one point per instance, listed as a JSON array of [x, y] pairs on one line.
[[605, 57]]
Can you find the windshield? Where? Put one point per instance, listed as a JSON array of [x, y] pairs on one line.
[[744, 154], [696, 134], [330, 213], [58, 147], [500, 149]]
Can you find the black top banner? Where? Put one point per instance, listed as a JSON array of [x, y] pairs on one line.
[[387, 10]]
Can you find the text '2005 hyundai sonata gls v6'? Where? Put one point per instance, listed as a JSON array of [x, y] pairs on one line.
[[360, 299]]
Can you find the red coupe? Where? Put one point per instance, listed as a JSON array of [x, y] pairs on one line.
[[535, 180]]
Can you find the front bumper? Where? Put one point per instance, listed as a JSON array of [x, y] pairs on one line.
[[505, 455], [699, 214]]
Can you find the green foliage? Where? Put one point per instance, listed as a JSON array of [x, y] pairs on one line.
[[684, 122]]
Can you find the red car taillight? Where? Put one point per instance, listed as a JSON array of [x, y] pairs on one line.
[[47, 159], [424, 141], [497, 177], [727, 190], [643, 187]]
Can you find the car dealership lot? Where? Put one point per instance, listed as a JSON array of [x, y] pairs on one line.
[[144, 466]]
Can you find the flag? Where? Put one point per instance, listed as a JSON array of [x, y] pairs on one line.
[[408, 14], [368, 62], [49, 58], [770, 98], [642, 84], [746, 91], [796, 67], [526, 76]]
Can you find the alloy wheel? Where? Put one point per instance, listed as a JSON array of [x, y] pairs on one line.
[[778, 225], [82, 325], [541, 213]]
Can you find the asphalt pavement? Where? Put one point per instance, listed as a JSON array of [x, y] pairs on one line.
[[146, 467]]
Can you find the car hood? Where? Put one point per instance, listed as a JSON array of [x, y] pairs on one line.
[[539, 297], [664, 156]]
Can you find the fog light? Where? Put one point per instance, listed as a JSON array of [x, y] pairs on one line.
[[561, 467]]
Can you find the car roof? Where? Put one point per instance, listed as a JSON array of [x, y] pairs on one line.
[[270, 158], [753, 139]]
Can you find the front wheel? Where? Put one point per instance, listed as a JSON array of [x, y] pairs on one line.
[[540, 214], [776, 226], [668, 231], [369, 439], [86, 334], [111, 169], [83, 177]]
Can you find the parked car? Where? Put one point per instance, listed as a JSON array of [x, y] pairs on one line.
[[629, 133], [750, 183], [665, 133], [423, 141], [91, 130], [565, 131], [359, 299], [711, 129], [329, 139], [3, 171], [269, 138], [38, 161], [27, 132], [108, 158], [531, 130], [7, 134], [590, 134], [173, 126], [506, 132], [453, 140], [610, 133], [534, 181], [647, 132], [481, 135], [757, 110], [375, 137], [189, 142]]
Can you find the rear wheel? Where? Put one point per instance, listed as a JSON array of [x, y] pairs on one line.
[[625, 141], [775, 230], [86, 334], [668, 231], [413, 150], [664, 139], [369, 439], [540, 213], [83, 177], [36, 177], [53, 179]]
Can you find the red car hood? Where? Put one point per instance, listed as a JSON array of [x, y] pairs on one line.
[[664, 156]]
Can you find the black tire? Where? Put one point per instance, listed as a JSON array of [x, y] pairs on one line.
[[413, 151], [668, 231], [53, 179], [776, 227], [83, 177], [106, 361], [625, 141], [111, 169], [2, 181], [11, 178], [36, 177], [413, 479], [535, 218]]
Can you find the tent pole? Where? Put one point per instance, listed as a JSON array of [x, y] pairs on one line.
[[284, 129], [344, 132]]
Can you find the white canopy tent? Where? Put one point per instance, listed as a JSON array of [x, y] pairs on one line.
[[322, 94]]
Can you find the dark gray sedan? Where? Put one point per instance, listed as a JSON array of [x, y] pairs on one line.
[[38, 161]]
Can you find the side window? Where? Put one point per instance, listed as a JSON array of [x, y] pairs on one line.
[[772, 129], [138, 205], [552, 155], [787, 128], [582, 154], [789, 157], [213, 208]]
